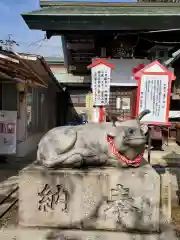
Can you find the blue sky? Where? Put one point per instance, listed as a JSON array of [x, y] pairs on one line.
[[12, 23]]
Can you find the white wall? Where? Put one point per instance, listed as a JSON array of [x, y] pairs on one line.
[[26, 143], [121, 75]]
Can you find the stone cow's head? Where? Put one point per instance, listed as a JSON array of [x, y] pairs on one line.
[[128, 137]]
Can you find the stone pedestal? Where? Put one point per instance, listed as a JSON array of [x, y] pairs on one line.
[[96, 199]]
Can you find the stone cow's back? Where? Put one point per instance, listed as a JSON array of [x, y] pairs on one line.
[[60, 140]]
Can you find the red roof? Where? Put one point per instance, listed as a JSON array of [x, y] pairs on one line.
[[142, 71], [100, 61]]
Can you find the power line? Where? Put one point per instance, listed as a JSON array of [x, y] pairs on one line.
[[9, 44], [38, 45], [147, 32], [44, 38], [159, 42]]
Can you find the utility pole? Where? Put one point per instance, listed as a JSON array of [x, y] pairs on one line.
[[9, 43]]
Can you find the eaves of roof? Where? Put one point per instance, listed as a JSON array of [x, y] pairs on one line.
[[31, 69], [54, 60], [121, 10]]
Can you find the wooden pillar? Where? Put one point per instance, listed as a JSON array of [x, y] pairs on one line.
[[166, 196]]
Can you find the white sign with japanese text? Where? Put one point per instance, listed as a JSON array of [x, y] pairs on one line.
[[101, 78], [154, 96], [8, 124]]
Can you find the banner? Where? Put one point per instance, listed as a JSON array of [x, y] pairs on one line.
[[8, 124], [101, 77]]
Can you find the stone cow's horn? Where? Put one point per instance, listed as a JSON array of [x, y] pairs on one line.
[[142, 114]]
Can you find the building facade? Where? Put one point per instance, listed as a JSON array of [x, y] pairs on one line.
[[28, 88], [126, 34]]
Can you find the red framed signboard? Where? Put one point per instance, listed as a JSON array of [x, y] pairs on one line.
[[100, 81], [154, 91]]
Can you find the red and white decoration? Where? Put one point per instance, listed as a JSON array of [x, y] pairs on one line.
[[101, 79], [134, 163], [154, 90], [98, 114], [8, 124], [138, 68]]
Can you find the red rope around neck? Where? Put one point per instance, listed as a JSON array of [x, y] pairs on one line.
[[135, 163]]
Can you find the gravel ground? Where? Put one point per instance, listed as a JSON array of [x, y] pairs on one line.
[[11, 218], [8, 179], [176, 218]]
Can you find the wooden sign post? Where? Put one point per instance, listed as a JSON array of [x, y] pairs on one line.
[[154, 91], [101, 78]]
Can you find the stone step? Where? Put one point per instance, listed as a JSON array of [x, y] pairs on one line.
[[52, 234]]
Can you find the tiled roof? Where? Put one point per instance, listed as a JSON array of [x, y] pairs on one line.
[[54, 60], [139, 9], [26, 68]]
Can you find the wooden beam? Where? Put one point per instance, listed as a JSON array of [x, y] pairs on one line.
[[35, 84], [8, 58], [12, 66], [26, 65], [26, 78], [80, 46], [16, 71], [103, 23]]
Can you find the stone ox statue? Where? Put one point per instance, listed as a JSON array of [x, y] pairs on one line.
[[121, 143]]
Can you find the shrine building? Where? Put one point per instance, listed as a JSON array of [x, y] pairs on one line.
[[126, 34]]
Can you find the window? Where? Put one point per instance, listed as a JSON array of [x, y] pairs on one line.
[[78, 99], [29, 110], [40, 111], [123, 103], [120, 102]]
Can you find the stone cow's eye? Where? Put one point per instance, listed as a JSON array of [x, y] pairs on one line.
[[131, 131]]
